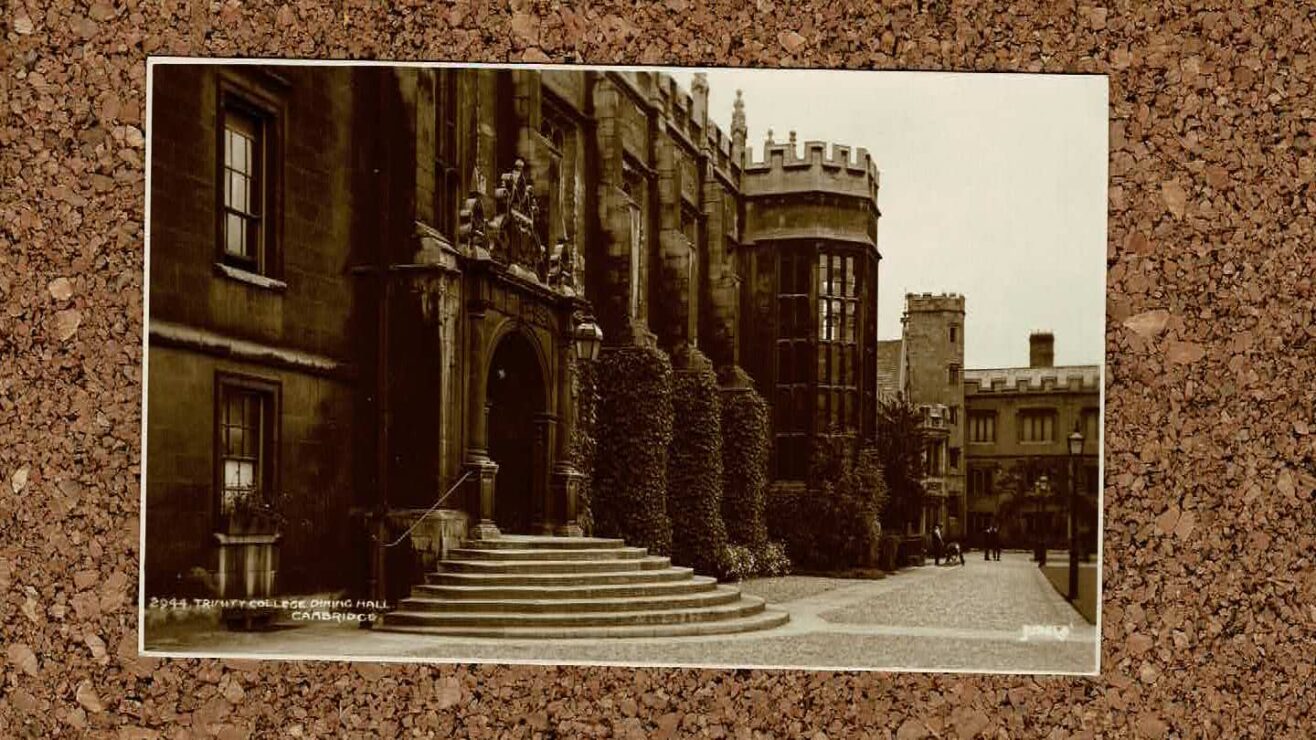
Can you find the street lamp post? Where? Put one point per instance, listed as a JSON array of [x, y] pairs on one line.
[[1075, 449], [1040, 489]]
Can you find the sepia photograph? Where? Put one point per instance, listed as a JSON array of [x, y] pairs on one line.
[[752, 368]]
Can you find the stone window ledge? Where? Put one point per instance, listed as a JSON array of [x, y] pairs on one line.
[[250, 278]]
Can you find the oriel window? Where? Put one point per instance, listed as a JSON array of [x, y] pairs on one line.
[[838, 331], [793, 405]]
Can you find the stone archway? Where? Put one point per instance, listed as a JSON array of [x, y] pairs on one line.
[[516, 404]]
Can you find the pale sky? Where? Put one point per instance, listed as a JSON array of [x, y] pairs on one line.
[[992, 185]]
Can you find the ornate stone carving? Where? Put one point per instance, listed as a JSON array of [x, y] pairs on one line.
[[473, 227], [433, 292], [515, 231]]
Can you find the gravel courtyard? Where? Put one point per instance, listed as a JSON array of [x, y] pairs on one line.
[[983, 616]]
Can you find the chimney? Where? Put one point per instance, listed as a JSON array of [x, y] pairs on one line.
[[1041, 349]]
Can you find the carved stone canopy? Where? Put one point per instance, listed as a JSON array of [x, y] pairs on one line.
[[472, 231], [562, 266]]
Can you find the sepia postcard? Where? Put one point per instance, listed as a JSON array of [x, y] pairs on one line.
[[624, 366]]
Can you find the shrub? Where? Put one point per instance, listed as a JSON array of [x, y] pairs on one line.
[[801, 524], [633, 431], [737, 562], [901, 442], [744, 460], [832, 525], [772, 560], [694, 466]]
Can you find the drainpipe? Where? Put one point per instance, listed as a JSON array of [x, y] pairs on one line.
[[378, 576]]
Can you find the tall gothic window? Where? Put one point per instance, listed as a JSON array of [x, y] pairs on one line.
[[633, 187], [558, 129], [690, 230], [447, 177], [794, 360], [838, 345]]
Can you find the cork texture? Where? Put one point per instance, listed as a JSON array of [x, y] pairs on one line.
[[1210, 588]]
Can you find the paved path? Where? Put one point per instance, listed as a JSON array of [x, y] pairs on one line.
[[984, 616]]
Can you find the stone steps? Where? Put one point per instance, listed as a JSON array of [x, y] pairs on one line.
[[716, 596], [541, 553], [765, 620], [567, 587], [444, 578], [531, 567], [530, 542], [693, 584], [743, 607]]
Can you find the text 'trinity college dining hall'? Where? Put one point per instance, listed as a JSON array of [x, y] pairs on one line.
[[369, 287]]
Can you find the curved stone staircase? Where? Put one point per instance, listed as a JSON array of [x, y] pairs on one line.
[[562, 587]]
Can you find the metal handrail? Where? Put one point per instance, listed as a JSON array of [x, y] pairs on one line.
[[430, 510]]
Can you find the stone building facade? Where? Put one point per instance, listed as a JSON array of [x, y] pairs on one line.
[[370, 286], [1018, 422], [994, 433]]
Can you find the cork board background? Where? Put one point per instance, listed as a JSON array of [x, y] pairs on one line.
[[1210, 587]]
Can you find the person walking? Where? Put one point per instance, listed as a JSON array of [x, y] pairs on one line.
[[996, 542], [938, 544]]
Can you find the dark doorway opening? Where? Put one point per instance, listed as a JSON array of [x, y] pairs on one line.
[[516, 401]]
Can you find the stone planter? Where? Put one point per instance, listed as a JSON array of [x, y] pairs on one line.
[[248, 565]]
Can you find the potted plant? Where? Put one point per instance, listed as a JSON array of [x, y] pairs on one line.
[[248, 558]]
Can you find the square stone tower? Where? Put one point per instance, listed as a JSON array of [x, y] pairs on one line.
[[932, 376]]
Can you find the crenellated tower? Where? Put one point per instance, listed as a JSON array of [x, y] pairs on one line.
[[810, 262], [932, 378]]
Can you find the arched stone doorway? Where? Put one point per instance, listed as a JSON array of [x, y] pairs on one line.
[[516, 408]]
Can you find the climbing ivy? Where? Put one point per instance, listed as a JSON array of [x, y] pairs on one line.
[[633, 429], [744, 460], [584, 448], [694, 466]]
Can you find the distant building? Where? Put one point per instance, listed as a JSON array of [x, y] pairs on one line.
[[994, 433], [1019, 421], [367, 282]]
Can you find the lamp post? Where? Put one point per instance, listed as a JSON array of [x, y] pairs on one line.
[[1040, 488], [586, 339], [1075, 449]]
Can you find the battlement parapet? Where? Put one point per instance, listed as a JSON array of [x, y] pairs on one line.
[[919, 302], [784, 155], [783, 170], [1015, 380]]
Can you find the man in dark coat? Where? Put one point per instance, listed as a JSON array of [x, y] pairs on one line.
[[938, 544]]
